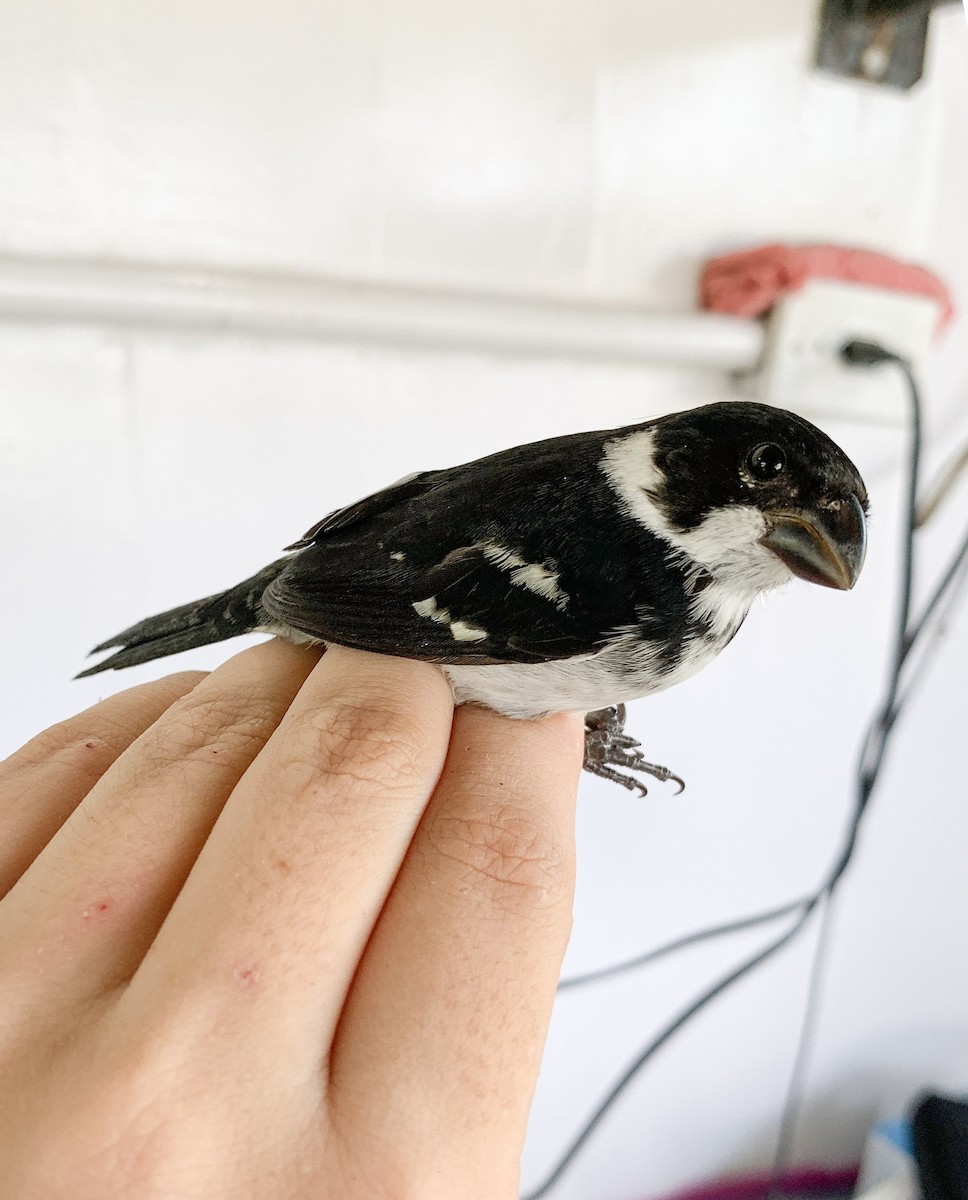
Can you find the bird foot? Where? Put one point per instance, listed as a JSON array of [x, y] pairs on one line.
[[608, 746]]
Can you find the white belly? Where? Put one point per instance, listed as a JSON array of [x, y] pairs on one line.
[[624, 671]]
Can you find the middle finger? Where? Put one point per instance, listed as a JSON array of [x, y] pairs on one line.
[[261, 946]]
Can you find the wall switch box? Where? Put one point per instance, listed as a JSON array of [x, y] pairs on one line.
[[802, 369]]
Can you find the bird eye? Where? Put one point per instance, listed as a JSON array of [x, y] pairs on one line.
[[766, 461]]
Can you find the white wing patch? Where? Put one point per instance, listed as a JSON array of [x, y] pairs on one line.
[[460, 631], [428, 608], [539, 578]]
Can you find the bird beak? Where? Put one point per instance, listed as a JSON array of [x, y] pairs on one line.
[[825, 547]]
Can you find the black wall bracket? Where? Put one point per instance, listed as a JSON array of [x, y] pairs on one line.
[[878, 41]]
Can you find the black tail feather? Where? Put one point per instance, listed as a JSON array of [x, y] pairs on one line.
[[173, 643], [176, 620], [214, 619]]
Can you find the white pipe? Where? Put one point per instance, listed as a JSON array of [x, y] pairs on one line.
[[203, 300]]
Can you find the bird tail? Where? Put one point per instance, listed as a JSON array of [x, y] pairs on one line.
[[214, 619]]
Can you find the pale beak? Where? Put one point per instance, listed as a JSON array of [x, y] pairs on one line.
[[822, 546]]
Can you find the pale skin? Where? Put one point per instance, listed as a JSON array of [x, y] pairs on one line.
[[291, 929]]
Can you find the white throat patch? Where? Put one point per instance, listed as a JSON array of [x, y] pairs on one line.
[[727, 540]]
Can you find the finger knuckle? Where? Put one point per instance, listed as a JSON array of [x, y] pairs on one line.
[[89, 756], [67, 737], [52, 740], [77, 753], [503, 855], [366, 743], [204, 727]]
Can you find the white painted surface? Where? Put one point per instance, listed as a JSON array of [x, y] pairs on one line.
[[582, 149]]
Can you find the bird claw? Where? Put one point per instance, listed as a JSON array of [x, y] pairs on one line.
[[608, 746]]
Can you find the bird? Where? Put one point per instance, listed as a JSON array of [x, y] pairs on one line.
[[572, 574]]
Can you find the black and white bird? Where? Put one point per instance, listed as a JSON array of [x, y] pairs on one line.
[[572, 574]]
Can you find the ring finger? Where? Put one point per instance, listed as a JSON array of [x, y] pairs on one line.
[[43, 782], [92, 902]]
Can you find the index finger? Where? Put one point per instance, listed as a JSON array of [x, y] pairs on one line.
[[266, 933]]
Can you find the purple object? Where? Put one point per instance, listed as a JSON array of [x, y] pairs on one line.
[[805, 1183]]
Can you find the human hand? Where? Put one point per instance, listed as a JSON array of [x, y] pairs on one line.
[[286, 930]]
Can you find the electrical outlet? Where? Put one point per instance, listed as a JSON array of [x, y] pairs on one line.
[[802, 369]]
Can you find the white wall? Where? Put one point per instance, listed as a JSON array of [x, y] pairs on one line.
[[587, 149]]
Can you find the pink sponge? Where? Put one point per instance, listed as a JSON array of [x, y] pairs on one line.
[[749, 283]]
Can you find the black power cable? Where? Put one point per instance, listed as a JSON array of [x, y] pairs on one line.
[[874, 750], [636, 1065], [870, 762], [689, 939]]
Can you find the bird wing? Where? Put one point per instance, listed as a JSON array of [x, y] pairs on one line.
[[464, 608], [448, 567]]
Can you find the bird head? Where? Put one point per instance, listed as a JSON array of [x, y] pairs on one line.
[[752, 493]]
